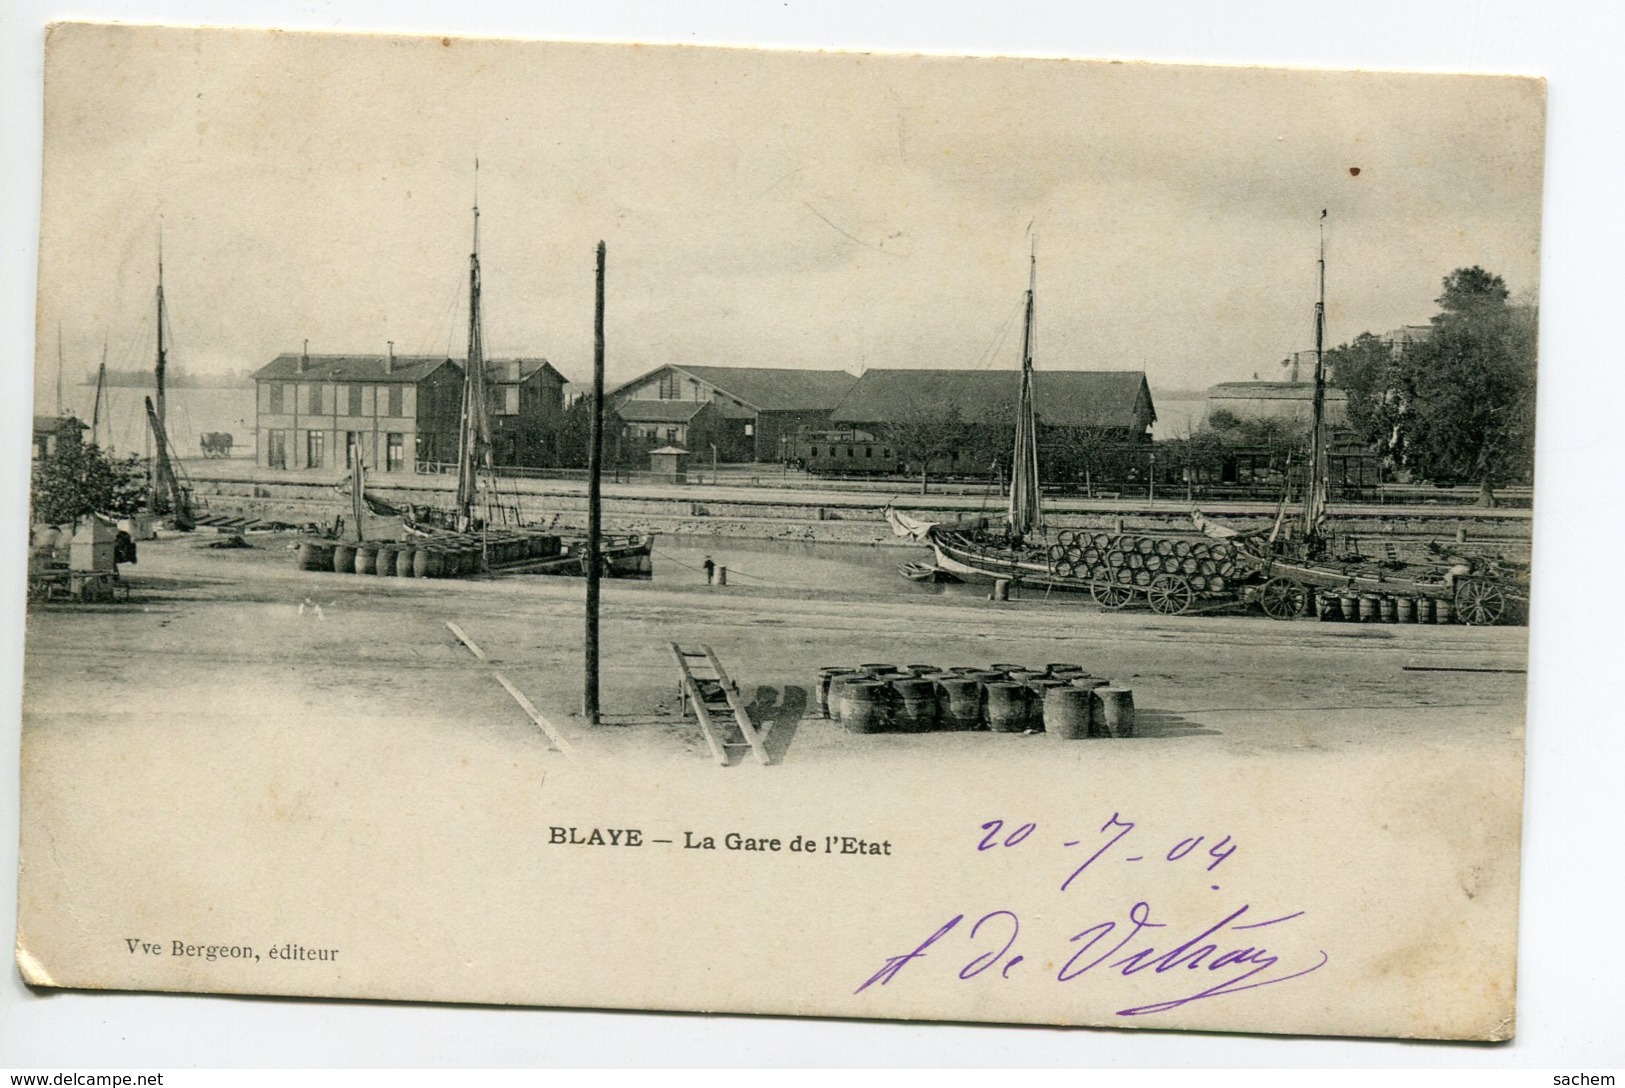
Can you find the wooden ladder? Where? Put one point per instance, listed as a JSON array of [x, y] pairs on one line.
[[704, 684]]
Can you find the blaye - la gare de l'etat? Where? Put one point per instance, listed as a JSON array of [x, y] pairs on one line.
[[733, 840]]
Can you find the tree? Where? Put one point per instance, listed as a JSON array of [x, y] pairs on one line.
[[81, 478], [928, 432], [1459, 403], [1365, 368]]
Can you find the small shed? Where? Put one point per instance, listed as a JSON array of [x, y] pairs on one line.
[[669, 464]]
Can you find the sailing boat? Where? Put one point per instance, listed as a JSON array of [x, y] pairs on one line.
[[165, 496], [479, 515], [977, 549]]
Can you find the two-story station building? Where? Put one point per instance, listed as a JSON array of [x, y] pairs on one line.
[[397, 412]]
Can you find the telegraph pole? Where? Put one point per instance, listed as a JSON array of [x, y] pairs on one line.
[[595, 472]]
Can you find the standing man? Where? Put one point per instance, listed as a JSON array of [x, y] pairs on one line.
[[710, 570]]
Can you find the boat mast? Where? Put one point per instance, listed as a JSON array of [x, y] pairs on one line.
[[157, 410], [101, 395], [1315, 485], [1026, 509], [59, 368], [473, 441]]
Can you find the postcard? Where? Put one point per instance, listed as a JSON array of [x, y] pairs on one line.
[[826, 534]]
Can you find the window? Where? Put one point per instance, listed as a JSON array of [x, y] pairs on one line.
[[276, 446], [394, 453], [671, 387], [505, 400], [314, 447], [352, 446], [316, 400], [355, 400], [274, 404], [814, 452], [851, 452], [750, 429], [868, 451], [671, 434], [397, 400]]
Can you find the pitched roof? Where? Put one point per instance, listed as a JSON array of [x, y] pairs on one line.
[[351, 368], [765, 388], [527, 368], [660, 411], [1062, 398], [52, 424], [1271, 391]]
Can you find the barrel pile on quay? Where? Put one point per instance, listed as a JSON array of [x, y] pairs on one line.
[[445, 556], [1062, 700]]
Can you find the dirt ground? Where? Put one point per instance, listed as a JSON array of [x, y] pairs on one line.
[[209, 629]]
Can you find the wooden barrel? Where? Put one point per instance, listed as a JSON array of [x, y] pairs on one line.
[[836, 700], [1370, 608], [1424, 610], [1006, 668], [385, 563], [1111, 712], [1007, 707], [822, 687], [921, 670], [1058, 668], [427, 563], [1090, 683], [366, 557], [1444, 611], [914, 705], [1389, 609], [344, 558], [312, 556], [403, 561], [1182, 548], [1021, 676], [864, 706], [1066, 712], [961, 703], [873, 669], [1329, 607], [1405, 609]]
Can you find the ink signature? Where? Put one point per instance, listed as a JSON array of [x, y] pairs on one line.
[[1238, 962], [1231, 957]]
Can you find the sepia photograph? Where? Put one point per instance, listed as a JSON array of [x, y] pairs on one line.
[[833, 534]]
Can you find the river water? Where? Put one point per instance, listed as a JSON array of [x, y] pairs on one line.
[[191, 412]]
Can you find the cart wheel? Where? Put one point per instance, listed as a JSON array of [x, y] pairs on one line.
[[1282, 598], [1170, 595], [1480, 603], [1110, 594]]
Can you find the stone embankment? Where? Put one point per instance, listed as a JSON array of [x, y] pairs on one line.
[[831, 517]]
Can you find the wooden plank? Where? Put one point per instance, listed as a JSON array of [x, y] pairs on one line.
[[741, 715], [466, 641], [535, 715], [525, 704]]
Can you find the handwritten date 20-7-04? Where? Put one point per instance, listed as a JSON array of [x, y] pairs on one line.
[[1222, 954]]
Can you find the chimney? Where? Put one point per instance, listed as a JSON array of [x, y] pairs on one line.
[[389, 360], [304, 359]]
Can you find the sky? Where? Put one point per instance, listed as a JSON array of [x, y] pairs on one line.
[[831, 210]]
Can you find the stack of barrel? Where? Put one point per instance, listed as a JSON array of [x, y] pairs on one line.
[[1208, 565], [428, 557], [1354, 606], [1062, 700]]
